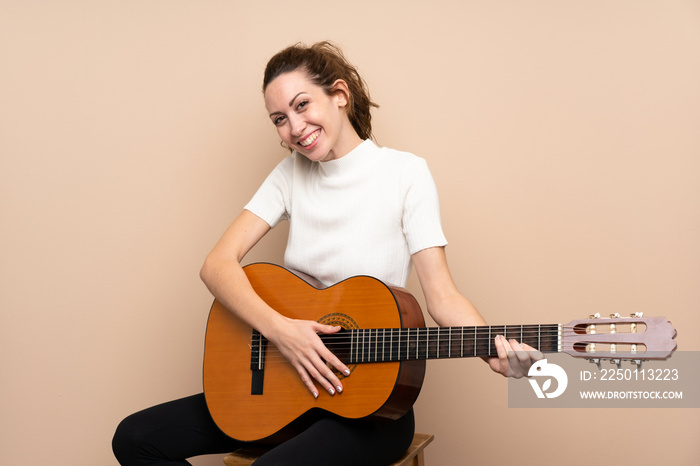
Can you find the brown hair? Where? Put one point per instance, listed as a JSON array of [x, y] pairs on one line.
[[325, 63]]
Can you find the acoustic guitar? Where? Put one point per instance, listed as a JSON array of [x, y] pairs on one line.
[[253, 392]]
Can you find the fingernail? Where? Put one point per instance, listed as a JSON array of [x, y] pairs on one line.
[[331, 391], [346, 372], [340, 389], [315, 394]]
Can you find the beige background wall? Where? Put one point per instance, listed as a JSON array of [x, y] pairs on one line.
[[563, 135]]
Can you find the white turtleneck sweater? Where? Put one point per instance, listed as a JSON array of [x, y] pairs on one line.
[[363, 214]]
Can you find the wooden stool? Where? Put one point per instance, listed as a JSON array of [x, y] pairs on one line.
[[413, 456]]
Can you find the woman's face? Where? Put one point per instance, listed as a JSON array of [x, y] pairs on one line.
[[308, 119]]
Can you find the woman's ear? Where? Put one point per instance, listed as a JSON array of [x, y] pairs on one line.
[[341, 92]]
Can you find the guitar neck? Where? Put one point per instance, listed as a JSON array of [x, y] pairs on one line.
[[403, 344]]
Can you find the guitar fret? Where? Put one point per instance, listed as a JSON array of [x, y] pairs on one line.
[[376, 345], [391, 343], [459, 340], [359, 346], [373, 337], [368, 355], [368, 345], [396, 346], [364, 345], [449, 342], [383, 344], [444, 352], [408, 344], [436, 343], [426, 332], [489, 341], [428, 337], [353, 346], [352, 335], [417, 341]]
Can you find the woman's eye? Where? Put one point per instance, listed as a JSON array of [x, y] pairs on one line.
[[302, 104], [278, 121]]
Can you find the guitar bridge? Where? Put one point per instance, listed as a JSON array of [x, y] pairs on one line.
[[257, 362]]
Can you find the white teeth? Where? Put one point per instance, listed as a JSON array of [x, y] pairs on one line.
[[307, 142]]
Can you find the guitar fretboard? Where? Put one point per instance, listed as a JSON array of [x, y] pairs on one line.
[[403, 344]]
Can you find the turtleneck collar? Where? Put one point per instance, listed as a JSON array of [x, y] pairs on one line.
[[351, 159]]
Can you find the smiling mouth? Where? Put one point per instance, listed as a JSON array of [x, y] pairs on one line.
[[310, 139]]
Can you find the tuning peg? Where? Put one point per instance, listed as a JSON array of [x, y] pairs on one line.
[[594, 316], [638, 363], [617, 362], [595, 361], [637, 314], [615, 316]]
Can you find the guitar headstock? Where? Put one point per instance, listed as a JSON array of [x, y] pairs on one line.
[[635, 338]]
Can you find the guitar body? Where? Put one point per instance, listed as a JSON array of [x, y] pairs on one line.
[[373, 390]]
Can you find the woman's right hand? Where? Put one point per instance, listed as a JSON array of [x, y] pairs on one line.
[[299, 342]]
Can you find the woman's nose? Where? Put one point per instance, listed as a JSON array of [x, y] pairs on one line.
[[298, 125]]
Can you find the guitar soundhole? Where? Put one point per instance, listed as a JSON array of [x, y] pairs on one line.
[[339, 343]]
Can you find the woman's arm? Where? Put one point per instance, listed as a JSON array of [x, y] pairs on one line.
[[297, 340], [449, 308]]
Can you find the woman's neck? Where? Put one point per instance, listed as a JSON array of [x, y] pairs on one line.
[[346, 143]]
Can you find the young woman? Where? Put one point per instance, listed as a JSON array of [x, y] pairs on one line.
[[354, 209]]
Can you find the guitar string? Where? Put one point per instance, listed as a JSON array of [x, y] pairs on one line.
[[429, 347], [456, 334]]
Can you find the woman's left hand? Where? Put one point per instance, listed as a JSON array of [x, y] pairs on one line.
[[514, 359]]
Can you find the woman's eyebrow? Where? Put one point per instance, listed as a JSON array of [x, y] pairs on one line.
[[291, 102]]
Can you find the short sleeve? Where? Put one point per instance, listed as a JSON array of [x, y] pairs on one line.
[[272, 200], [422, 226]]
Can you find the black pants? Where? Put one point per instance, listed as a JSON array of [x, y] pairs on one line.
[[167, 434]]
